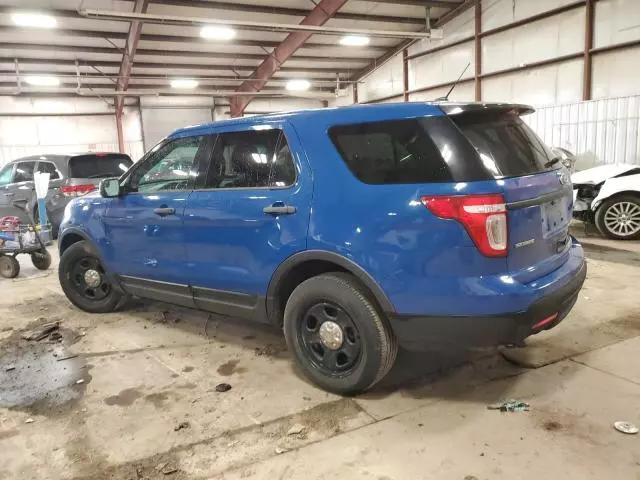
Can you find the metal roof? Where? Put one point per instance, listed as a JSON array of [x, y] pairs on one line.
[[166, 51]]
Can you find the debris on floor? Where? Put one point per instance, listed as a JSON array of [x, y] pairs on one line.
[[79, 382], [181, 425], [510, 406], [223, 387], [29, 420], [296, 429], [67, 357], [167, 468], [9, 368], [280, 450], [40, 332], [626, 427], [55, 337]]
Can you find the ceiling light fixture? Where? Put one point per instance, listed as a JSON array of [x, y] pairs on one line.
[[354, 41], [42, 81], [298, 85], [217, 33], [33, 19], [186, 83]]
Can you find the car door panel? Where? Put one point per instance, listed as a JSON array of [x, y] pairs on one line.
[[19, 196], [145, 226], [232, 245]]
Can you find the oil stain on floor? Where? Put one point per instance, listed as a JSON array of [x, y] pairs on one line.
[[41, 376]]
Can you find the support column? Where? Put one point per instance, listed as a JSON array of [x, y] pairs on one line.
[[478, 50], [405, 75], [587, 79], [120, 131], [355, 92]]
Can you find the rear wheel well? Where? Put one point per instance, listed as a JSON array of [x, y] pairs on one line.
[[294, 277], [69, 240], [625, 193]]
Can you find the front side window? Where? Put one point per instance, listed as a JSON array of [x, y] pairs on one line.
[[171, 167], [251, 159], [6, 175], [24, 172], [50, 168]]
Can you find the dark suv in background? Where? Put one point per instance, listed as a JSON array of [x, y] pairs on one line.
[[70, 176]]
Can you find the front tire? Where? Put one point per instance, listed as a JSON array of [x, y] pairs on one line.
[[84, 280], [619, 218], [337, 335]]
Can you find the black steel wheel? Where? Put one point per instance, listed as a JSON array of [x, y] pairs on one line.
[[330, 338], [85, 281], [337, 335], [9, 266], [41, 260]]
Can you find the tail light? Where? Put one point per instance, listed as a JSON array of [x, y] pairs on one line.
[[483, 216], [77, 190]]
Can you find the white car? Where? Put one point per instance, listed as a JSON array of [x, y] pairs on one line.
[[609, 196]]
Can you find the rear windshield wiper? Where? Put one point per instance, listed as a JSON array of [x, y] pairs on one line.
[[552, 162]]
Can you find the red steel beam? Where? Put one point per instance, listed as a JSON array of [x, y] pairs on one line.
[[322, 12], [478, 50], [588, 46], [140, 6]]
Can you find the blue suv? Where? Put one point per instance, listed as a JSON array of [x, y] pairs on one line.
[[355, 229]]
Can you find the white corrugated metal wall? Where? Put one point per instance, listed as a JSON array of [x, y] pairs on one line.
[[598, 132]]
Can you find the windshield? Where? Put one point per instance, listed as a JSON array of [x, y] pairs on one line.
[[99, 165], [506, 145]]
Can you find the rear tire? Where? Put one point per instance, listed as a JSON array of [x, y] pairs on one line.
[[619, 218], [84, 280], [9, 266], [345, 363], [41, 260]]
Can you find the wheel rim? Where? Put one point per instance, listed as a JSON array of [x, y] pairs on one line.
[[89, 280], [330, 339], [623, 218]]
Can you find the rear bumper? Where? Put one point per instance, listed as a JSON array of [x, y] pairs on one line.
[[435, 332]]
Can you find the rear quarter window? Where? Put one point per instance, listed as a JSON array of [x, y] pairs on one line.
[[99, 166], [419, 150]]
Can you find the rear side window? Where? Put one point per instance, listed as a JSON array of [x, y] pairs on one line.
[[99, 166], [506, 145], [50, 168], [251, 159], [398, 151]]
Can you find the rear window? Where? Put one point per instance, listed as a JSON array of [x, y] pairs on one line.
[[99, 166], [506, 145], [419, 150]]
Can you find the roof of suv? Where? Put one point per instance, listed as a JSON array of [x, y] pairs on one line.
[[376, 110]]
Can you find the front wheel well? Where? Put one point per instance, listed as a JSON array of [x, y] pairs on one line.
[[69, 240]]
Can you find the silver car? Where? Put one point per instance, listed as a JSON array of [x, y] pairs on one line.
[[71, 176]]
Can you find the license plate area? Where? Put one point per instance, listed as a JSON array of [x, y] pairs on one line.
[[555, 216]]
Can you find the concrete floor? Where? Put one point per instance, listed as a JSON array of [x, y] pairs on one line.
[[147, 369]]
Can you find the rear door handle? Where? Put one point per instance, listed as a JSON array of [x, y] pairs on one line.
[[279, 208], [164, 211]]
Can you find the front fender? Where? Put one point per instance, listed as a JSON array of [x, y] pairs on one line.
[[614, 186]]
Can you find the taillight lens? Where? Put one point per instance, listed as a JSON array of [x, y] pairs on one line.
[[483, 216], [76, 190]]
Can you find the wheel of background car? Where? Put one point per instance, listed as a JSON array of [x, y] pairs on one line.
[[84, 280], [41, 260], [9, 266], [619, 217], [339, 339]]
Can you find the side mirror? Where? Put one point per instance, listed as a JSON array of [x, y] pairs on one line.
[[110, 188]]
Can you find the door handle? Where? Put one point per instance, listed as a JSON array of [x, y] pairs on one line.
[[279, 208], [164, 211]]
